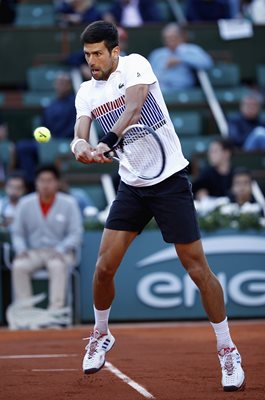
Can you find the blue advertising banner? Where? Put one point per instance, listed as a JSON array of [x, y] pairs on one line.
[[151, 284]]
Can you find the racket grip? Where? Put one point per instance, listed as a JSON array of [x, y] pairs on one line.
[[107, 154]]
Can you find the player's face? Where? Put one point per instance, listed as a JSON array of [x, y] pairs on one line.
[[101, 62]]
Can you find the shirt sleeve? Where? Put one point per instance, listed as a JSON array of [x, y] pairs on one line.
[[82, 103], [139, 71]]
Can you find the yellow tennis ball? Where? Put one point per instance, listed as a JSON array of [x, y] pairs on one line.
[[42, 134]]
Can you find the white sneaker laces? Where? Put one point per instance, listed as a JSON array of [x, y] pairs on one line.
[[92, 345], [227, 361]]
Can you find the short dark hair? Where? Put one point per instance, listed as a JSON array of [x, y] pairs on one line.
[[17, 174], [48, 168], [225, 143], [101, 31], [238, 171]]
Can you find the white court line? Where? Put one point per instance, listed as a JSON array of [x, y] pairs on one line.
[[54, 369], [21, 356], [129, 381]]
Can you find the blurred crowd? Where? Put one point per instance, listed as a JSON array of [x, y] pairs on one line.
[[133, 13]]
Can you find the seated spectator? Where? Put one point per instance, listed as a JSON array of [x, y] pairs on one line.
[[132, 13], [175, 63], [59, 117], [208, 10], [15, 188], [47, 232], [241, 189], [246, 128], [76, 12], [215, 179]]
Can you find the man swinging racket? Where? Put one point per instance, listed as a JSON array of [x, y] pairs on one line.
[[124, 97]]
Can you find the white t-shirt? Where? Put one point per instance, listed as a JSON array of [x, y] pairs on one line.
[[105, 102]]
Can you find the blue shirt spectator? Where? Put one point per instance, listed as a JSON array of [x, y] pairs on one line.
[[59, 116], [175, 63], [75, 12], [246, 125]]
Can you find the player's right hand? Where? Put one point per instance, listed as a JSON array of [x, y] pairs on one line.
[[83, 153]]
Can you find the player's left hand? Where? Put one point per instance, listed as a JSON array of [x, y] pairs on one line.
[[98, 153]]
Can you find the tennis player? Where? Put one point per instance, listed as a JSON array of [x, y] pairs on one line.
[[125, 91]]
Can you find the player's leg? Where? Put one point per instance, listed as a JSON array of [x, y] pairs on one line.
[[112, 249], [194, 261], [128, 215], [173, 207]]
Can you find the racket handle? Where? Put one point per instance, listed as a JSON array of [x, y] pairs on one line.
[[107, 154]]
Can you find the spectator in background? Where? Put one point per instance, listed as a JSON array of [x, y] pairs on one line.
[[15, 188], [77, 12], [241, 191], [208, 10], [176, 62], [59, 117], [47, 232], [215, 179], [132, 13], [247, 128]]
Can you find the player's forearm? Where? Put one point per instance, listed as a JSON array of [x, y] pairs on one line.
[[82, 128], [130, 116], [134, 100]]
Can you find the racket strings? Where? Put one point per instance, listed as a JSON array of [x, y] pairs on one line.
[[141, 153]]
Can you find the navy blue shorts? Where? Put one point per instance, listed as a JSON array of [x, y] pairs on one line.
[[170, 202]]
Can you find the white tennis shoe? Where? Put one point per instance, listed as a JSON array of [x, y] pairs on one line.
[[99, 344], [233, 377]]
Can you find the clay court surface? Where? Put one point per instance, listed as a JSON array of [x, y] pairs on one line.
[[160, 361]]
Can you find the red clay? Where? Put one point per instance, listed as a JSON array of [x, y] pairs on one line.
[[171, 361]]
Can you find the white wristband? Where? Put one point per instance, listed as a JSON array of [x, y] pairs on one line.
[[74, 143]]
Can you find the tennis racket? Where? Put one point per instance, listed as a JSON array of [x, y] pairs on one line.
[[141, 151]]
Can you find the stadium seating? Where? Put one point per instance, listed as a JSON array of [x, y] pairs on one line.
[[224, 74], [185, 97], [187, 122], [42, 99], [35, 15], [41, 78], [197, 144], [50, 151], [261, 75]]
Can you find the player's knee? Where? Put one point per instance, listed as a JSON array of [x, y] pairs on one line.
[[200, 275], [104, 272]]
